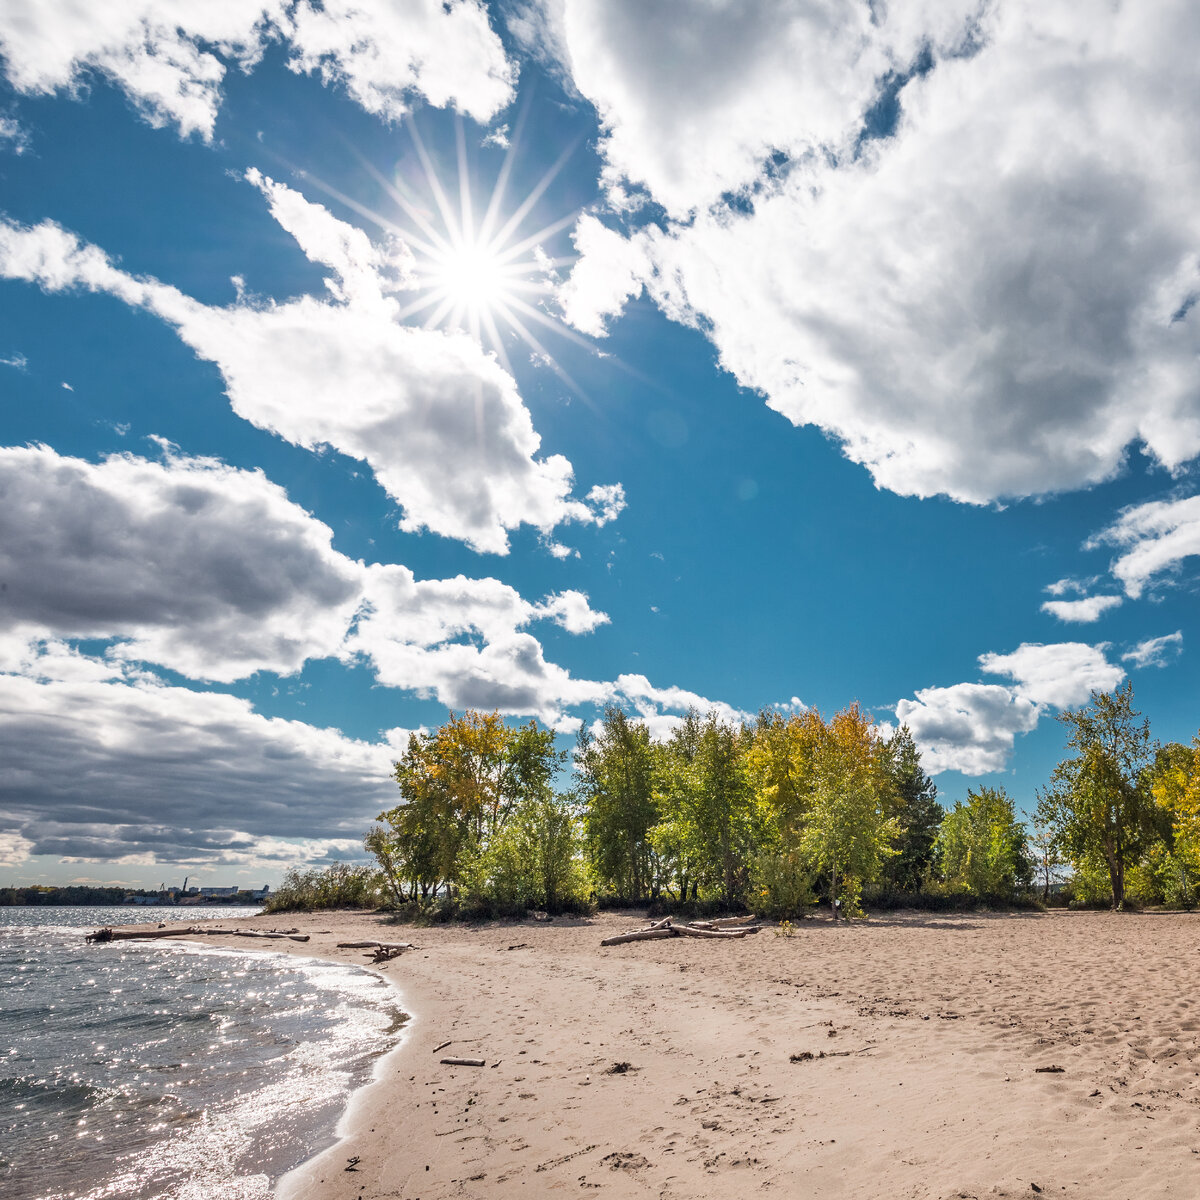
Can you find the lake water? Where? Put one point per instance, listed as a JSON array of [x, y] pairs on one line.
[[167, 1069]]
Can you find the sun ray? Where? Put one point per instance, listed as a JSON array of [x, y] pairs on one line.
[[435, 184], [523, 209], [510, 157]]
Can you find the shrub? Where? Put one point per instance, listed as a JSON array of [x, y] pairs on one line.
[[339, 885]]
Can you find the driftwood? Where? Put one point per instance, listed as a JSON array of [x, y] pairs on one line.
[[380, 952], [376, 945], [640, 935], [108, 934], [465, 1062], [666, 928]]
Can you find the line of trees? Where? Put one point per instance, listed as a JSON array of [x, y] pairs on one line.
[[770, 815]]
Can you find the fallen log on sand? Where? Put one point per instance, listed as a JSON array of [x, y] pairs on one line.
[[640, 935], [108, 934], [667, 928], [376, 945], [380, 952]]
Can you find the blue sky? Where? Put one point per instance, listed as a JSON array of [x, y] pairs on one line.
[[777, 410]]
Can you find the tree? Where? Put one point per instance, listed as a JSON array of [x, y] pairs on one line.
[[916, 810], [981, 845], [459, 787], [615, 782], [537, 858], [847, 832], [1173, 781], [1095, 803]]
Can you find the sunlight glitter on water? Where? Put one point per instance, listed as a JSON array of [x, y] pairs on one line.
[[172, 1070]]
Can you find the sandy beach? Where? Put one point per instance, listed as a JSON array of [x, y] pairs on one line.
[[904, 1056]]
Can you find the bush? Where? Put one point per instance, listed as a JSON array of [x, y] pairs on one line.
[[783, 885], [340, 885]]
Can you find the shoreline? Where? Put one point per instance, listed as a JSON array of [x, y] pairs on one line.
[[908, 1056]]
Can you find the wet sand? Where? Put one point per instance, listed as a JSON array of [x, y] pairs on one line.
[[922, 1045]]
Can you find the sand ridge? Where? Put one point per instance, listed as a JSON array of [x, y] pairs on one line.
[[900, 1057]]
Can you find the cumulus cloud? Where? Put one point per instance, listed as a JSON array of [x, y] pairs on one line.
[[1156, 652], [609, 272], [1063, 674], [969, 727], [214, 573], [382, 52], [694, 98], [170, 56], [196, 566], [1153, 540], [1084, 610], [995, 298], [172, 774], [440, 423]]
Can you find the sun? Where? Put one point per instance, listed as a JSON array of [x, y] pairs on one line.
[[479, 273], [471, 274]]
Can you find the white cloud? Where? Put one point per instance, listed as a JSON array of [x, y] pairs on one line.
[[661, 709], [196, 566], [13, 136], [571, 610], [14, 849], [1085, 610], [694, 98], [1063, 674], [214, 573], [172, 774], [608, 273], [440, 423], [969, 727], [1154, 539], [1071, 587], [1156, 652], [995, 300], [382, 52], [170, 56]]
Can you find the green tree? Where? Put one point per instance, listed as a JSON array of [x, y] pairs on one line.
[[917, 811], [536, 860], [1095, 802], [981, 845], [459, 787], [847, 833], [615, 782]]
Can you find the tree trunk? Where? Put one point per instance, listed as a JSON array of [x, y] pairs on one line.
[[833, 892], [1116, 874]]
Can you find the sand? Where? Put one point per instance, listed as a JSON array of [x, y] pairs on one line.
[[930, 1041]]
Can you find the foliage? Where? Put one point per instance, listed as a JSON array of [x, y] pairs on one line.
[[784, 883], [981, 846], [847, 832], [460, 786], [917, 811], [536, 861], [1096, 803], [615, 770], [339, 885]]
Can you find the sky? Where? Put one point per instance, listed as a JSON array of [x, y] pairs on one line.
[[363, 361]]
